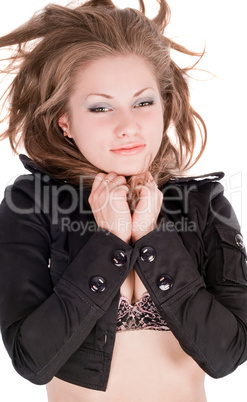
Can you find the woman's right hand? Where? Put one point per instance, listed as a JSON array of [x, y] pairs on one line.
[[108, 201]]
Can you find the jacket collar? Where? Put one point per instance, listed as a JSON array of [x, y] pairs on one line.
[[34, 167]]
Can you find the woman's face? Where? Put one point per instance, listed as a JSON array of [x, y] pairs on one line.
[[116, 114]]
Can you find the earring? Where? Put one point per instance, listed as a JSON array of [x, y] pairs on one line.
[[65, 134]]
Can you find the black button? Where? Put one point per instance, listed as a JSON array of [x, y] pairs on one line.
[[165, 282], [97, 284], [147, 254], [239, 241], [119, 258]]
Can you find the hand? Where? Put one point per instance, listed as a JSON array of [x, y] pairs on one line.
[[147, 210], [108, 200]]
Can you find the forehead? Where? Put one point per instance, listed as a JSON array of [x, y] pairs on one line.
[[115, 72]]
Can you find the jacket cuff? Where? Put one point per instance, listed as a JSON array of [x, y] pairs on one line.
[[99, 269], [165, 266]]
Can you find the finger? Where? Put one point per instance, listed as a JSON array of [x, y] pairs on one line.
[[97, 181], [112, 180], [96, 184], [105, 183], [112, 177], [150, 177], [151, 180], [120, 191], [151, 185], [118, 199], [102, 180]]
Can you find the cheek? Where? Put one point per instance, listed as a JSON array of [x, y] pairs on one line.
[[157, 130], [156, 123], [88, 142], [86, 132]]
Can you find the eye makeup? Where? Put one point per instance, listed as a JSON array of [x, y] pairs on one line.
[[99, 108], [144, 103]]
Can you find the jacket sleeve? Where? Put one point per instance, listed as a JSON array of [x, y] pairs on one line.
[[43, 326], [206, 313]]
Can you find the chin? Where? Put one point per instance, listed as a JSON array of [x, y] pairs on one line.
[[129, 172]]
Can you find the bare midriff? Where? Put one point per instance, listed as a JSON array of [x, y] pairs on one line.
[[147, 365]]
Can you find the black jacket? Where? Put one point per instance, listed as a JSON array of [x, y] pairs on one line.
[[60, 277]]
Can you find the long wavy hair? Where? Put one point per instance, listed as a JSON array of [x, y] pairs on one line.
[[54, 44]]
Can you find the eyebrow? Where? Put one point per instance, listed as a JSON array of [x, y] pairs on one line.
[[111, 97]]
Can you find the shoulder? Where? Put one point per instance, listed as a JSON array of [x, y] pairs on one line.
[[193, 197], [38, 183], [204, 197], [197, 181], [205, 186], [38, 193]]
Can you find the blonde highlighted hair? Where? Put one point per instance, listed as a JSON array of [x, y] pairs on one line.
[[58, 41]]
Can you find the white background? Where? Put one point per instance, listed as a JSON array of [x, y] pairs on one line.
[[221, 26]]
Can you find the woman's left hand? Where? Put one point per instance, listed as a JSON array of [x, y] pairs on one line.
[[147, 210]]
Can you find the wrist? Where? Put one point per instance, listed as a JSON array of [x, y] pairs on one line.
[[142, 231], [124, 237]]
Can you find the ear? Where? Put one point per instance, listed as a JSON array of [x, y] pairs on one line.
[[63, 122]]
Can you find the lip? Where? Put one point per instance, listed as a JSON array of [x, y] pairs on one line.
[[129, 149]]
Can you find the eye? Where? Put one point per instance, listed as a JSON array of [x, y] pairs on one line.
[[144, 103], [100, 109]]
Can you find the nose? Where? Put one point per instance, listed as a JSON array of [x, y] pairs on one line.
[[127, 124]]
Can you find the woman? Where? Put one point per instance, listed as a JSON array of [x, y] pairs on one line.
[[117, 276]]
